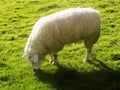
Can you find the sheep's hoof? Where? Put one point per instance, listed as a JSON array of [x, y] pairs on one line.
[[53, 62], [86, 60]]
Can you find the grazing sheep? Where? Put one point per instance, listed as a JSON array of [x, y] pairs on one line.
[[51, 33]]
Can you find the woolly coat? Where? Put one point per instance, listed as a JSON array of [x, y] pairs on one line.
[[50, 33]]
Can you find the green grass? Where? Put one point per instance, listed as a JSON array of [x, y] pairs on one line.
[[17, 18]]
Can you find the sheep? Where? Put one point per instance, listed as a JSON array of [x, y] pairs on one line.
[[52, 32]]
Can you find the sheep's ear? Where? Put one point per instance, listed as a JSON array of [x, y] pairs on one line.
[[25, 55], [36, 58]]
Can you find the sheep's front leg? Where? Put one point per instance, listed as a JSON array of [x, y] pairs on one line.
[[53, 58]]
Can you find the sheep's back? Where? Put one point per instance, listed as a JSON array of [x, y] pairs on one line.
[[71, 25]]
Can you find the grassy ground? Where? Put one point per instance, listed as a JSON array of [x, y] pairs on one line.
[[17, 18]]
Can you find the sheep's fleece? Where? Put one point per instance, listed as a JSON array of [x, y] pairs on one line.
[[51, 33]]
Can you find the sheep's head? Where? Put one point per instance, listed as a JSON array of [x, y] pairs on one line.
[[34, 60]]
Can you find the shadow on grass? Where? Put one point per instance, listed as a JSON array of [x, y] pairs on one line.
[[70, 79]]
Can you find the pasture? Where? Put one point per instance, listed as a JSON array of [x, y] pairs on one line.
[[17, 18]]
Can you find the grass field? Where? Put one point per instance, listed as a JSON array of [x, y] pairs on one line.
[[17, 18]]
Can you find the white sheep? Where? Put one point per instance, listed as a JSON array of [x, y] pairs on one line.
[[51, 33]]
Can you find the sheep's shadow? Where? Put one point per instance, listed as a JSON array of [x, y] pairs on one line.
[[70, 79]]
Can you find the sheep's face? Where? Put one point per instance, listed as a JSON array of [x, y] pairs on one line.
[[34, 60]]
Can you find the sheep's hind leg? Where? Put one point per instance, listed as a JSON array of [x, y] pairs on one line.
[[88, 44], [88, 54], [53, 58]]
